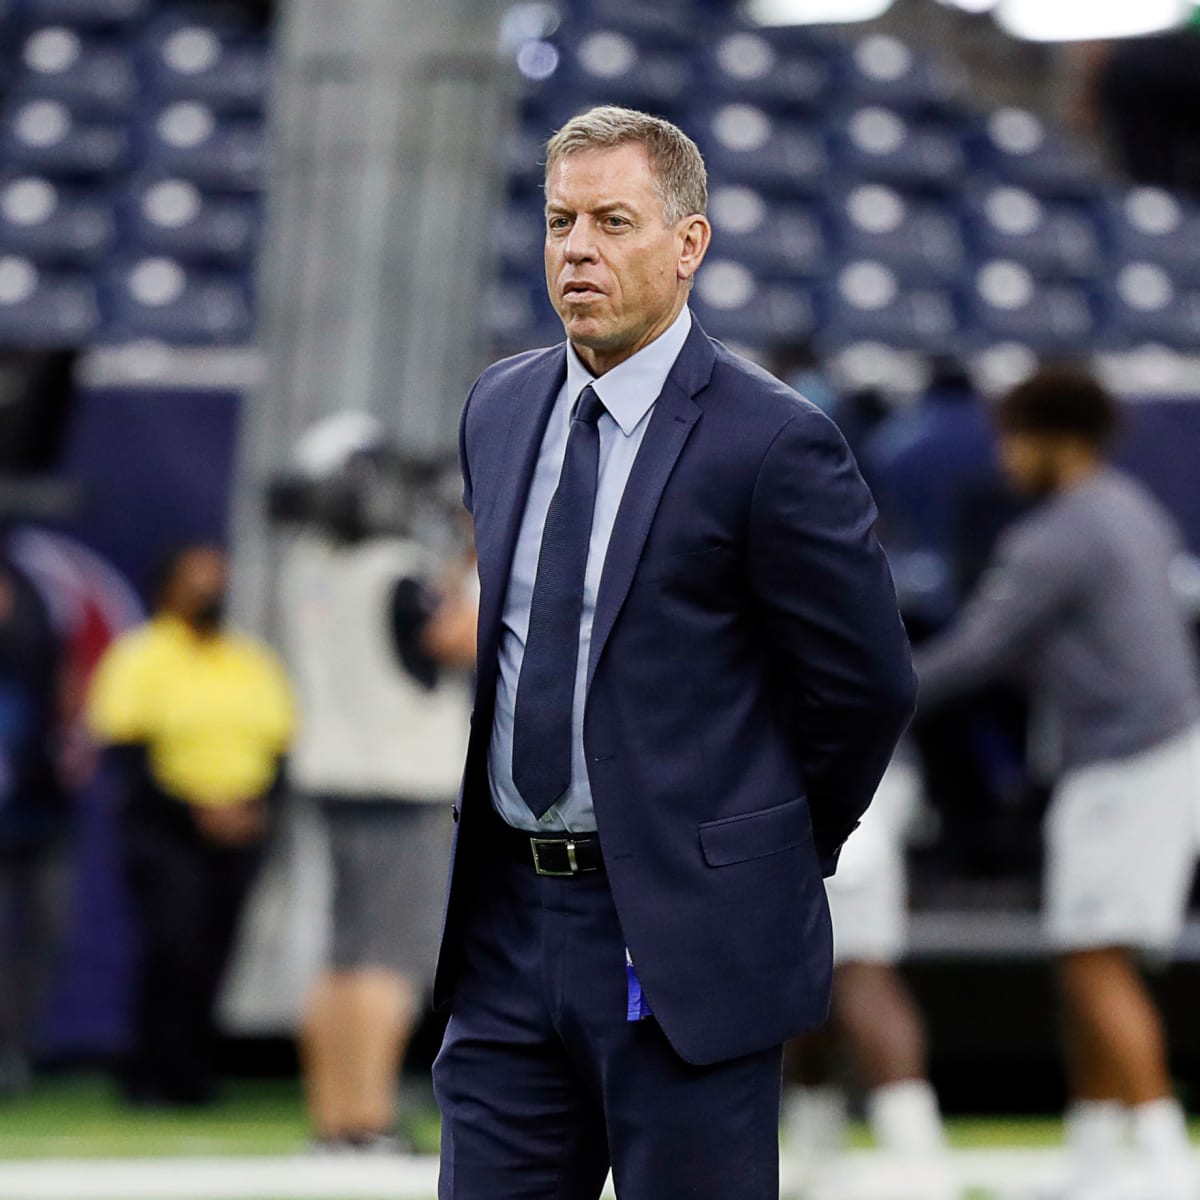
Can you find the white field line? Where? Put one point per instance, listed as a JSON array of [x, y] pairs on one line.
[[864, 1175]]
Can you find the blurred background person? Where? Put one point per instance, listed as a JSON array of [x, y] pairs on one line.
[[34, 818], [379, 630], [196, 721], [874, 1019], [1080, 596]]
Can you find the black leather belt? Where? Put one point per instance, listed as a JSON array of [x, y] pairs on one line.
[[562, 855]]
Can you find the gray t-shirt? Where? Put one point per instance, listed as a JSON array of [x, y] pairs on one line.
[[1079, 598]]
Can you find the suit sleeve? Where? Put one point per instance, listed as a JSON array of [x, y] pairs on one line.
[[821, 583], [464, 465]]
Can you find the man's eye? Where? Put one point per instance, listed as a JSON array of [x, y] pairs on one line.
[[555, 223], [616, 222]]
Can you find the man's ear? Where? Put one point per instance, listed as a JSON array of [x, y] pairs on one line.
[[696, 235]]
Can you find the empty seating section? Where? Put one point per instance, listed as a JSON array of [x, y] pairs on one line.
[[857, 195], [131, 160]]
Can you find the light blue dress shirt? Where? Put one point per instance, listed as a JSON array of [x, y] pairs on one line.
[[628, 392]]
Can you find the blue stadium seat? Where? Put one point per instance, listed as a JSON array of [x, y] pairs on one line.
[[919, 240], [173, 217], [227, 72], [772, 239], [517, 315], [520, 232], [730, 302], [602, 65], [85, 14], [522, 153], [90, 75], [45, 310], [883, 70], [159, 298], [1017, 146], [54, 225], [744, 144], [868, 303], [664, 25], [1056, 239], [1146, 304], [1006, 303], [44, 137], [188, 139], [1155, 226], [748, 67], [882, 145]]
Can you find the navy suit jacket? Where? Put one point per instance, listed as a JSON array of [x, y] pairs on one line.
[[749, 676]]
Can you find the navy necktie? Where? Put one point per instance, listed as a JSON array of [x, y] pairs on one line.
[[546, 687]]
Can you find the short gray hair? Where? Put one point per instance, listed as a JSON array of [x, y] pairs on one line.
[[680, 177]]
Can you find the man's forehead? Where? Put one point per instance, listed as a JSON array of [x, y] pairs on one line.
[[623, 169]]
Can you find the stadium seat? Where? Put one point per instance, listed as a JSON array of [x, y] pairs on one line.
[[188, 139], [228, 73], [173, 217], [866, 302], [881, 145], [730, 302], [881, 69], [743, 144], [85, 14], [747, 67], [1017, 146], [517, 315], [1056, 239], [1146, 305], [159, 298], [601, 65], [517, 241], [1155, 226], [664, 25], [771, 239], [44, 310], [918, 239], [1007, 304], [44, 137], [90, 75], [49, 224]]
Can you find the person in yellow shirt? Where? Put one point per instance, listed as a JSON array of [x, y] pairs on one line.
[[196, 722]]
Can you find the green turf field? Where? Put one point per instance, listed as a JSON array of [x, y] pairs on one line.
[[84, 1118], [81, 1120]]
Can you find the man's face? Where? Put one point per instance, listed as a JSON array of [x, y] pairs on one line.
[[615, 270], [197, 591], [1030, 463]]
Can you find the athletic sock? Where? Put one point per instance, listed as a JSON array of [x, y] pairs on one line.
[[815, 1122], [905, 1119], [1161, 1138], [1095, 1131]]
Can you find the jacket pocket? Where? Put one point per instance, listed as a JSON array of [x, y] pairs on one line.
[[756, 834]]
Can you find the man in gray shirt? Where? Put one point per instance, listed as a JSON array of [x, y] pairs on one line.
[[1079, 599]]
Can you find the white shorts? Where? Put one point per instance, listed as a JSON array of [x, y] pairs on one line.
[[1121, 849], [868, 897]]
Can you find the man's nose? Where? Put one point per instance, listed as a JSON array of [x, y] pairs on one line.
[[581, 243]]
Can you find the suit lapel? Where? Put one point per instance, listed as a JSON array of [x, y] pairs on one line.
[[526, 428], [675, 414]]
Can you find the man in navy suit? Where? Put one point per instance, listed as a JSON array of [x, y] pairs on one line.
[[691, 676]]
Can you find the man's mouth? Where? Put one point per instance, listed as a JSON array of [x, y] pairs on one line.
[[580, 291]]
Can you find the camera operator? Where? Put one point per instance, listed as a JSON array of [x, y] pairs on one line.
[[379, 630]]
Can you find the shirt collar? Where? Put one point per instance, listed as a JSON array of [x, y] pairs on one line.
[[630, 389]]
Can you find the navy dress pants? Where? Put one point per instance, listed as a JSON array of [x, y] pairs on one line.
[[543, 1083]]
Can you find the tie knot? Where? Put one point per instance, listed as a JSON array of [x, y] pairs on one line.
[[589, 406]]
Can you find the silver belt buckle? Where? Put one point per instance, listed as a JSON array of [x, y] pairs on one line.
[[572, 865]]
